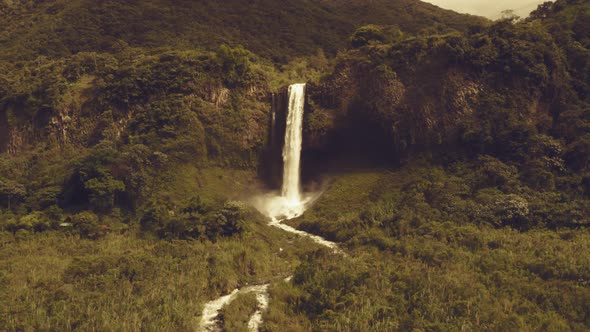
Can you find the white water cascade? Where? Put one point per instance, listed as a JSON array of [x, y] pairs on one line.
[[292, 150], [209, 322], [291, 189], [290, 204]]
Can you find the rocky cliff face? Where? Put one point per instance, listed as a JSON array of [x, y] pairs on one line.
[[364, 114], [365, 109], [228, 121], [17, 135], [271, 169], [359, 106]]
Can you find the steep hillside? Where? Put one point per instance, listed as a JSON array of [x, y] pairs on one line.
[[133, 78], [472, 91], [483, 194], [278, 30], [515, 91]]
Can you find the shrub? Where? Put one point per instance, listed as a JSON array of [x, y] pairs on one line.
[[512, 210], [36, 221], [493, 172], [87, 223], [537, 176], [193, 220], [366, 35], [43, 198], [235, 65], [227, 221], [92, 183]]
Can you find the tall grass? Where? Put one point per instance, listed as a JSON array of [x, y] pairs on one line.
[[55, 282], [419, 260]]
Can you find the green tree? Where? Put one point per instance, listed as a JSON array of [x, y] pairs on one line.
[[509, 15], [543, 10], [227, 221], [87, 223], [11, 191], [366, 35], [512, 210], [235, 65], [93, 182]]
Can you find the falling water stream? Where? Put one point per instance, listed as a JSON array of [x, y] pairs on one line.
[[292, 150], [291, 203]]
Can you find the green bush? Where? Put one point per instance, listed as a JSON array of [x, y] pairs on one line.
[[87, 224], [38, 222], [512, 210], [194, 220], [235, 65], [577, 155], [537, 176], [45, 197], [227, 221], [493, 173], [365, 35], [92, 183]]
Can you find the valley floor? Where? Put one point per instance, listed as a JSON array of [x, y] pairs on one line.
[[122, 282], [404, 269]]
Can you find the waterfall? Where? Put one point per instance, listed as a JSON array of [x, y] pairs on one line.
[[291, 202], [292, 149]]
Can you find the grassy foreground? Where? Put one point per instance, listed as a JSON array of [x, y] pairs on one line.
[[429, 251], [417, 259], [56, 282]]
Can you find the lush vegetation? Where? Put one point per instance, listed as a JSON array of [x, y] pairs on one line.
[[483, 223], [56, 281], [132, 133], [268, 28], [416, 262]]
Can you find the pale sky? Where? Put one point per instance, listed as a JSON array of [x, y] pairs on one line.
[[488, 8]]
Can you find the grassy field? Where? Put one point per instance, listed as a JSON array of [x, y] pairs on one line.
[[412, 264], [54, 281]]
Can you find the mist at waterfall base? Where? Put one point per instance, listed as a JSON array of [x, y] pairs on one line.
[[291, 202], [279, 208]]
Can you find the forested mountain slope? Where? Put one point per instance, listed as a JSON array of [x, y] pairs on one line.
[[278, 30]]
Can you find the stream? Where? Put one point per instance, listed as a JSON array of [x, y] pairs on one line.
[[291, 203], [210, 317]]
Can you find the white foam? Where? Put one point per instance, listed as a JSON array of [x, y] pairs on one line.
[[262, 299], [211, 311], [209, 318]]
